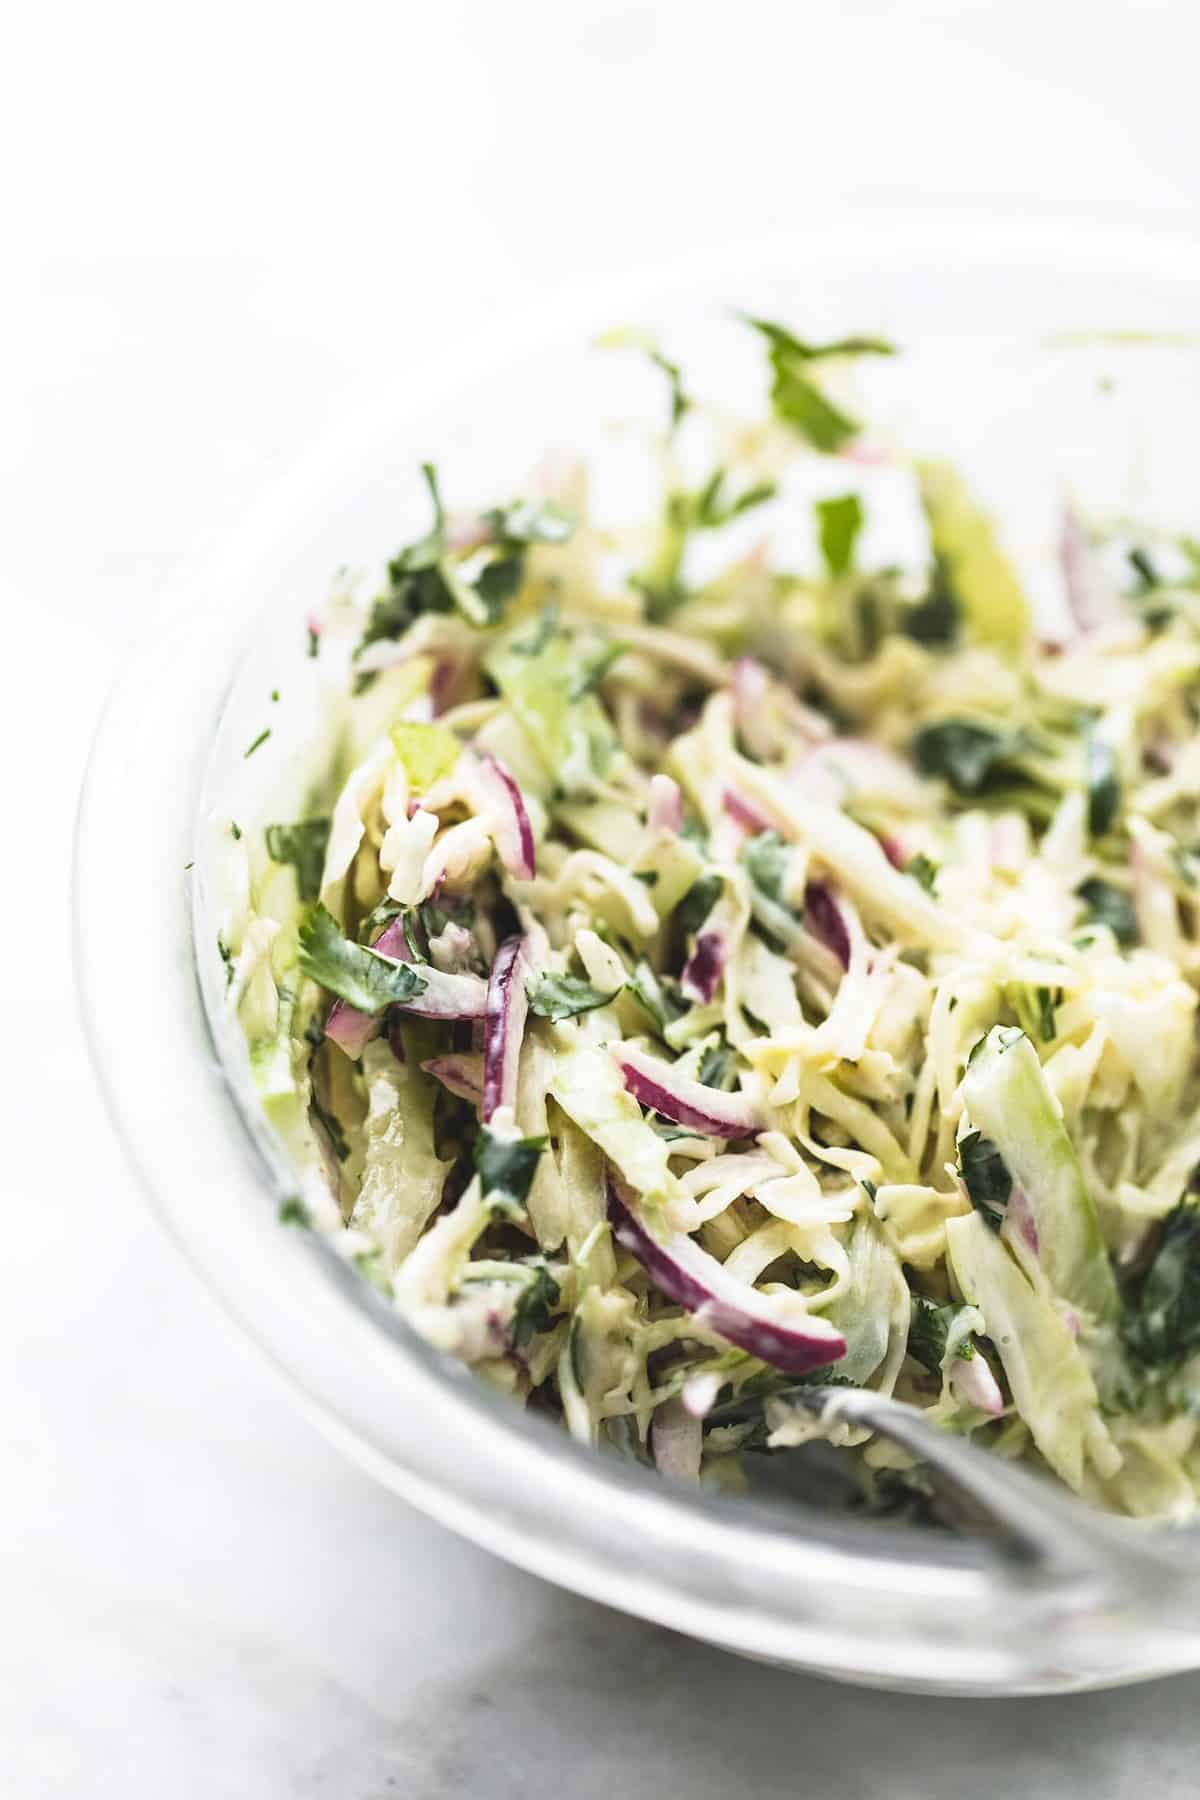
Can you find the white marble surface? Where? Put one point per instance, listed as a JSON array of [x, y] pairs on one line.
[[218, 223]]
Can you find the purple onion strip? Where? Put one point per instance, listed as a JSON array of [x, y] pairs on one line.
[[706, 1110], [504, 1026], [736, 1312]]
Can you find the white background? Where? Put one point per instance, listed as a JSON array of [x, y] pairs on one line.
[[217, 224]]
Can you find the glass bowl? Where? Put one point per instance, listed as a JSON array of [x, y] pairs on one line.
[[863, 1601]]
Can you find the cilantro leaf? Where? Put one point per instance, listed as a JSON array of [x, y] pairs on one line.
[[1163, 1323], [652, 996], [780, 338], [532, 1312], [966, 754], [351, 971], [506, 1168], [923, 870], [303, 845], [767, 859], [414, 582], [1103, 786], [1047, 1025], [928, 1330], [332, 1127], [681, 402], [698, 902], [717, 1066], [713, 506], [680, 399], [564, 996], [796, 398], [936, 618], [524, 522], [839, 522], [985, 1177], [1111, 906]]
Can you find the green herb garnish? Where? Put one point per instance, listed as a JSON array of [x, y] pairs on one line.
[[985, 1177], [565, 996], [351, 971], [302, 845]]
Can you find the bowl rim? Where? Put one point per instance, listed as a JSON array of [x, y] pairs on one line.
[[729, 1571]]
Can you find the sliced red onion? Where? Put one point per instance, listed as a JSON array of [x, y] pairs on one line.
[[442, 683], [677, 1439], [458, 1074], [717, 1300], [824, 918], [895, 852], [504, 1026], [664, 811], [1091, 598], [704, 967], [744, 812], [512, 830], [972, 1382], [659, 1086], [350, 1029]]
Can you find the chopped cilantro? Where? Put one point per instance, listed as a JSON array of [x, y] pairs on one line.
[[332, 1127], [1047, 1026], [680, 399], [524, 522], [1144, 569], [303, 845], [1162, 1324], [966, 754], [839, 522], [1103, 787], [652, 996], [355, 974], [533, 1310], [259, 741], [594, 664], [564, 997], [698, 902], [935, 619], [712, 506], [717, 1066], [1111, 906], [767, 858], [928, 1329], [293, 1211], [923, 870], [314, 640], [985, 1177], [506, 1168], [796, 398], [226, 955]]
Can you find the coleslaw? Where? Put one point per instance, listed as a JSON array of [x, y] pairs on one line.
[[722, 956]]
